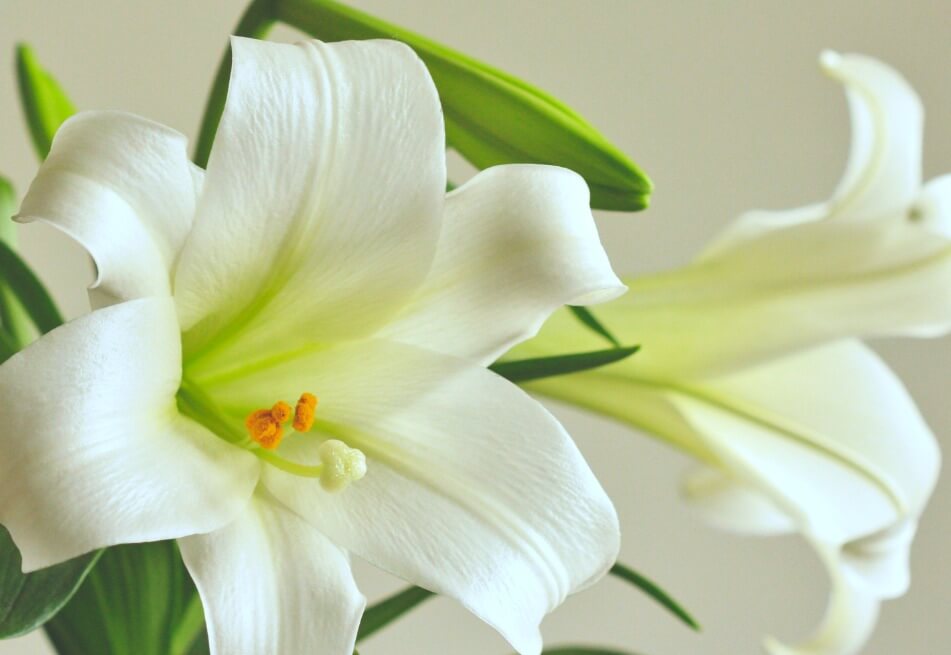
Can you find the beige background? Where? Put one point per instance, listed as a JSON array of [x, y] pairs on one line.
[[723, 104]]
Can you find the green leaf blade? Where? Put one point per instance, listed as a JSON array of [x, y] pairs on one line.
[[585, 315], [27, 601], [44, 103], [525, 370], [653, 590], [139, 600], [389, 609], [28, 289], [15, 325], [492, 117]]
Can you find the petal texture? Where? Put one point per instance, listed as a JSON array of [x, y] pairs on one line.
[[517, 242], [828, 430], [97, 453], [124, 188], [472, 489], [270, 583], [322, 200]]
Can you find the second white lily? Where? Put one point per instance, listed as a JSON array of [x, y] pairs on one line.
[[747, 365]]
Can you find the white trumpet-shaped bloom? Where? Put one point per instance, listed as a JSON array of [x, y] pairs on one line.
[[318, 258], [748, 360]]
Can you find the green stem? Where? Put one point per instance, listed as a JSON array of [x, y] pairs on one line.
[[257, 21]]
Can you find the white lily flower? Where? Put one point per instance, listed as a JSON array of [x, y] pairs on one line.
[[318, 256], [746, 362], [873, 260]]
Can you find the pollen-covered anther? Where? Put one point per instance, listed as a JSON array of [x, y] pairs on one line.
[[304, 412], [281, 411], [264, 428], [341, 464]]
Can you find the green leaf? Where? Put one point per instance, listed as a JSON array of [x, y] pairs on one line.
[[200, 645], [135, 602], [15, 326], [190, 636], [28, 601], [584, 315], [491, 117], [44, 103], [8, 199], [523, 370], [655, 592], [390, 609], [28, 289]]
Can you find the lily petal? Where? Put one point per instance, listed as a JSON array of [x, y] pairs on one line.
[[874, 260], [883, 174], [839, 406], [472, 490], [322, 201], [849, 619], [933, 208], [517, 242], [732, 504], [270, 583], [97, 453], [124, 188], [826, 441]]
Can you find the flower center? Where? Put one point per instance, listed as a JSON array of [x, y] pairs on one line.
[[266, 426], [338, 466]]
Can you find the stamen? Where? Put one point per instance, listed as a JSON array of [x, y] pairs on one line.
[[304, 412], [281, 411], [264, 429], [341, 465]]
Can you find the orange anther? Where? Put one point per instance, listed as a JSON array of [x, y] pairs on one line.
[[264, 429], [304, 412], [281, 411]]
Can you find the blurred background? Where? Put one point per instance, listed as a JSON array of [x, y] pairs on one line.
[[724, 106]]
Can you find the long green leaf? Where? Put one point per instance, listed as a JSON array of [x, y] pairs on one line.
[[390, 609], [45, 106], [15, 326], [523, 370], [28, 290], [491, 117], [133, 603], [28, 601], [585, 315], [654, 591]]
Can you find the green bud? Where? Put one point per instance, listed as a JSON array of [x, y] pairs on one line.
[[492, 117]]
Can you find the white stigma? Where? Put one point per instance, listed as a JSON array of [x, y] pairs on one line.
[[341, 465]]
